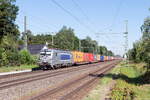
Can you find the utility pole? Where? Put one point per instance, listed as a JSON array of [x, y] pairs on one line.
[[126, 40], [73, 45], [96, 49], [25, 33], [52, 40], [79, 45]]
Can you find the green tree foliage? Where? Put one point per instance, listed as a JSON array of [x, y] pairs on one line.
[[110, 53], [8, 13], [38, 39], [9, 36], [8, 33], [26, 58], [65, 39], [3, 57], [88, 45], [141, 49], [146, 40]]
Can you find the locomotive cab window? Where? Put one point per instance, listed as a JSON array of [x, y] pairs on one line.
[[48, 53], [55, 54], [45, 53]]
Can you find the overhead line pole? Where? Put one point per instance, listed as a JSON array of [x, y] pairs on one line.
[[25, 33], [126, 41], [79, 45], [52, 41]]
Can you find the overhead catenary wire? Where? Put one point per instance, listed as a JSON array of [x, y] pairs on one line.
[[43, 21], [37, 26], [118, 8], [107, 34], [114, 19], [83, 12], [73, 16], [117, 12]]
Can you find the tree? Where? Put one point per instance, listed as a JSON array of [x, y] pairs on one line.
[[8, 13], [66, 39], [89, 45], [9, 32], [145, 28], [141, 49], [146, 40], [86, 45]]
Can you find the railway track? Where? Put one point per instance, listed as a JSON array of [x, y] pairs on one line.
[[78, 91], [38, 72], [42, 75], [35, 72], [75, 86]]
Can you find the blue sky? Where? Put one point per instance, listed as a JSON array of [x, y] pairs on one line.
[[104, 16]]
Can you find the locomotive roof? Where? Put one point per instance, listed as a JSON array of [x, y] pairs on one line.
[[58, 50]]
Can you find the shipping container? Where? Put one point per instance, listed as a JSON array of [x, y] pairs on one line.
[[112, 58], [86, 58], [102, 58], [78, 57], [105, 58], [98, 57], [95, 57], [91, 57], [109, 58]]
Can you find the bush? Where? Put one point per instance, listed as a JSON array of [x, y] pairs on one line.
[[3, 57], [122, 94], [26, 57], [13, 57]]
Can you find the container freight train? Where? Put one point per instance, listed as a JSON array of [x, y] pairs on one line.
[[54, 58]]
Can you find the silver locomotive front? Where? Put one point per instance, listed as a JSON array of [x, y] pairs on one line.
[[45, 58]]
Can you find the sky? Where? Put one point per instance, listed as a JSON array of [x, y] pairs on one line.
[[102, 20]]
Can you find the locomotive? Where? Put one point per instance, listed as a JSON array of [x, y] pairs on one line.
[[52, 58]]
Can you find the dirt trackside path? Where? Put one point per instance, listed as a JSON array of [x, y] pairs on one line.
[[103, 89]]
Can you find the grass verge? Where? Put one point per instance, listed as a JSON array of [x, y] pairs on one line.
[[128, 84], [102, 88], [16, 68]]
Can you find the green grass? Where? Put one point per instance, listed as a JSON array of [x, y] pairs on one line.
[[130, 87], [128, 83], [95, 94], [16, 68]]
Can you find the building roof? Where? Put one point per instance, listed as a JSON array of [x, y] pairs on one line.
[[33, 48]]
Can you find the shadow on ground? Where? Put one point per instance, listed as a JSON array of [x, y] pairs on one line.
[[36, 69], [140, 80]]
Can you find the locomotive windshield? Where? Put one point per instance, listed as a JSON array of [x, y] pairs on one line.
[[45, 52]]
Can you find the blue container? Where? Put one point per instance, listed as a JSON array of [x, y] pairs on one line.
[[101, 58], [65, 57], [109, 57]]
